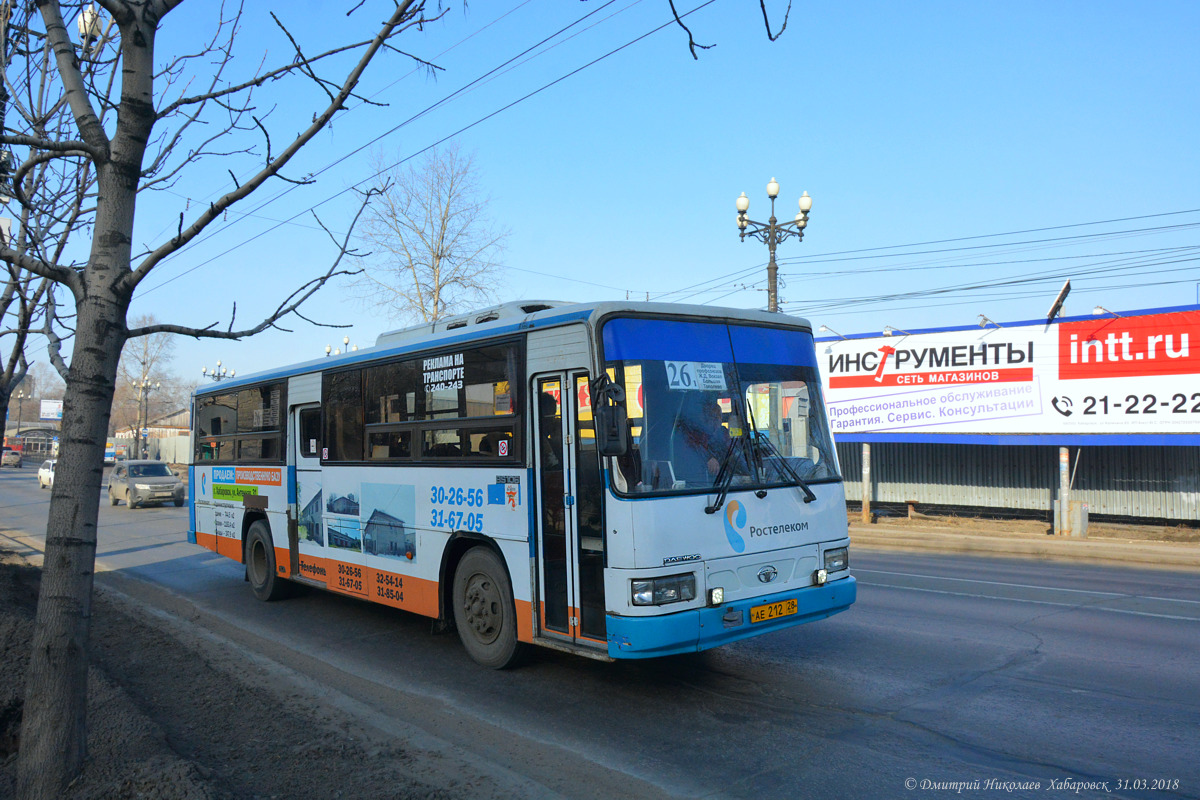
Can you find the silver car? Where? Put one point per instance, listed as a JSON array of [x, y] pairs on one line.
[[141, 483]]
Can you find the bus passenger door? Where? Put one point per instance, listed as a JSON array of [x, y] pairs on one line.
[[570, 528], [304, 523]]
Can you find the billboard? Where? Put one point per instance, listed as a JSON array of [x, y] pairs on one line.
[[51, 411], [1135, 374]]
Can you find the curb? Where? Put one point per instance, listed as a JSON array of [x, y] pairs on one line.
[[1141, 554]]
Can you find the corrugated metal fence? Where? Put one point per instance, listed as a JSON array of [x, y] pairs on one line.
[[1141, 482], [171, 449]]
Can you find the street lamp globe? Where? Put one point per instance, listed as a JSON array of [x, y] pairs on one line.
[[805, 203], [743, 204], [88, 22], [773, 189]]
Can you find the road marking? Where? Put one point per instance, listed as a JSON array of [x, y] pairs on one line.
[[1076, 606], [1027, 586]]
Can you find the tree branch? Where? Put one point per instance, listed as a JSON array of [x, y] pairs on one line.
[[766, 20], [405, 11], [290, 304], [691, 41]]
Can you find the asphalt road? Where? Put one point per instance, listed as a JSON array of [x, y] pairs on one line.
[[948, 670]]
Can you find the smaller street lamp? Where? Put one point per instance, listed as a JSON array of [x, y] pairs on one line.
[[143, 434], [88, 23], [20, 407], [827, 329], [771, 233]]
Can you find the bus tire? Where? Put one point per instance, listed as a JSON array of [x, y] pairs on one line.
[[260, 564], [483, 609]]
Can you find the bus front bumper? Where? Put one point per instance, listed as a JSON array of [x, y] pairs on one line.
[[702, 628]]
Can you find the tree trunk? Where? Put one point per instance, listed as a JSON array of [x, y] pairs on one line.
[[53, 732]]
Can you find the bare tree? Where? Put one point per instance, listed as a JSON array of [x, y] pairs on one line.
[[137, 127], [435, 250], [55, 191], [144, 378]]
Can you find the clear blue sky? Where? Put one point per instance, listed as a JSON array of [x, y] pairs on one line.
[[906, 122]]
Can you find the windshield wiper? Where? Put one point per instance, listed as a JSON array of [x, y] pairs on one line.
[[773, 452], [724, 478]]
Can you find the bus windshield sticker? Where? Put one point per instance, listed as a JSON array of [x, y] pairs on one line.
[[705, 376]]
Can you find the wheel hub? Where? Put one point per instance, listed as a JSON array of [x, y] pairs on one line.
[[481, 602]]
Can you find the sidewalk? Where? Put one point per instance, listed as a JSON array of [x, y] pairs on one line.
[[1130, 545]]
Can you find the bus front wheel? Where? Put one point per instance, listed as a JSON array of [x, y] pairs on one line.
[[260, 563], [483, 609]]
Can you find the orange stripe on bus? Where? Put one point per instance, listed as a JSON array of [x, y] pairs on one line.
[[231, 548], [222, 545], [524, 620], [283, 562], [418, 595], [207, 540]]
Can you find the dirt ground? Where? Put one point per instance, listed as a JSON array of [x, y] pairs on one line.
[[174, 720], [178, 717]]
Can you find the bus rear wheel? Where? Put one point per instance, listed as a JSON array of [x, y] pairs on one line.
[[483, 610], [260, 564]]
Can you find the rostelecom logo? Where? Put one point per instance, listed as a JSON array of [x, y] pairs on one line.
[[735, 521]]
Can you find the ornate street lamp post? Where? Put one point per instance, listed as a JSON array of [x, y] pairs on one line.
[[772, 233], [339, 351], [218, 374]]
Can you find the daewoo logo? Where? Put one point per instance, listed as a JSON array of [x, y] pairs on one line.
[[735, 520], [767, 574]]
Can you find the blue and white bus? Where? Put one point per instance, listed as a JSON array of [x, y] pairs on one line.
[[617, 480]]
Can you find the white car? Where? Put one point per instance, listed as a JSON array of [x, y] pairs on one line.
[[46, 474]]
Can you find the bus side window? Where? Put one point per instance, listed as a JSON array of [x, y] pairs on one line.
[[310, 433]]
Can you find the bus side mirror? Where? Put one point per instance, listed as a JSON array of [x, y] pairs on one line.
[[611, 419]]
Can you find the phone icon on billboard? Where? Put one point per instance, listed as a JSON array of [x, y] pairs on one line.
[[1062, 405]]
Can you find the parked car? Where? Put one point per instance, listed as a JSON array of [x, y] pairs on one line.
[[46, 474], [142, 482], [11, 458]]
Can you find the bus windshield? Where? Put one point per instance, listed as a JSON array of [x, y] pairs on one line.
[[714, 400]]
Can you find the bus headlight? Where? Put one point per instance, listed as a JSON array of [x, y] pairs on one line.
[[660, 591], [716, 596], [837, 560]]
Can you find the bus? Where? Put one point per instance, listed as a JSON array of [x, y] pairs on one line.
[[616, 480]]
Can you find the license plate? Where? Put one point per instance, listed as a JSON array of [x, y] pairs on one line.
[[773, 611]]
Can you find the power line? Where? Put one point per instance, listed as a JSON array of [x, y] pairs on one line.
[[428, 147], [721, 281]]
